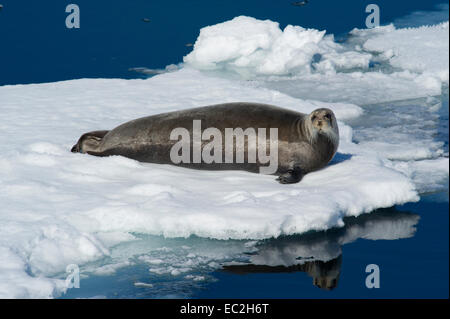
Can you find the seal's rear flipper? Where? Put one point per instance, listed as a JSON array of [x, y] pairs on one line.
[[88, 142]]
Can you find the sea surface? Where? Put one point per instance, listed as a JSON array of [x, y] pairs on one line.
[[114, 37]]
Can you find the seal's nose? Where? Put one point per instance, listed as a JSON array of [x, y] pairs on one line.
[[74, 149]]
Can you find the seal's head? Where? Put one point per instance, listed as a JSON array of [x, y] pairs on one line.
[[324, 122]]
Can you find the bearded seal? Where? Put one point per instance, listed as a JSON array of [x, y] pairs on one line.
[[304, 142]]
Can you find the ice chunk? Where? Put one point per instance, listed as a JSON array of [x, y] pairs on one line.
[[372, 66], [254, 47], [423, 49]]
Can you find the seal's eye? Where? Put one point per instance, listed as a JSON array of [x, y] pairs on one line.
[[313, 118], [328, 116]]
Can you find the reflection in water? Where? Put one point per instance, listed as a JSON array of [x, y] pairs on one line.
[[319, 254], [325, 274], [158, 267]]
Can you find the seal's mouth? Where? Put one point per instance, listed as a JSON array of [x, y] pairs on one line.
[[322, 127]]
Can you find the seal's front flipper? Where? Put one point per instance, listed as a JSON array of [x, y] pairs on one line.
[[294, 175], [88, 142]]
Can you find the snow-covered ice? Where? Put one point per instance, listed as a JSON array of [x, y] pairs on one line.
[[264, 49], [309, 63], [60, 208], [421, 50]]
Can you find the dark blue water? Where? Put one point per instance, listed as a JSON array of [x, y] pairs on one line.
[[36, 46]]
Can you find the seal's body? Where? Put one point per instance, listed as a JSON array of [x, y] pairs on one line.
[[305, 142]]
